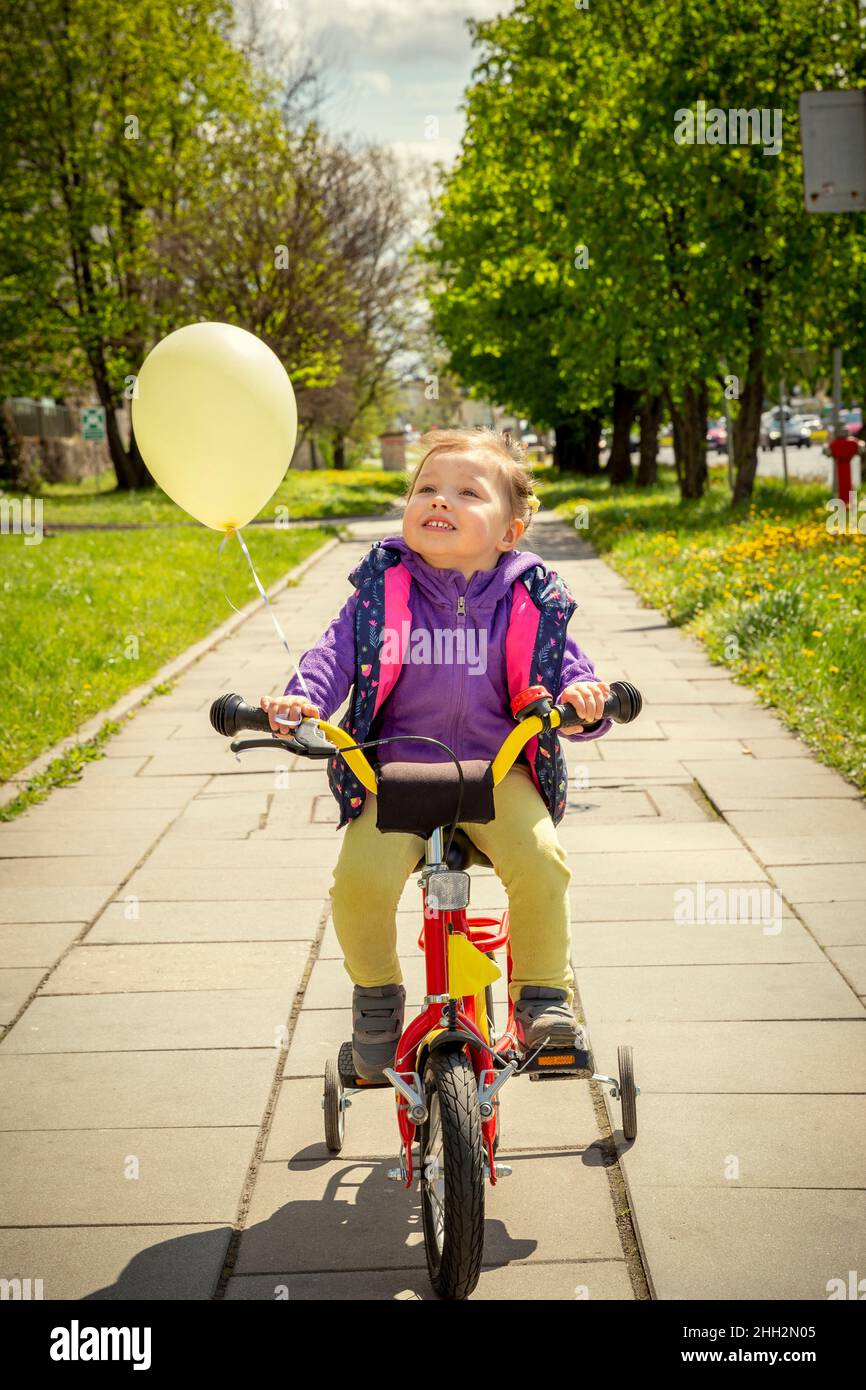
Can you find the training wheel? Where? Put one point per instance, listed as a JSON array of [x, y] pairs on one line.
[[333, 1106], [627, 1091]]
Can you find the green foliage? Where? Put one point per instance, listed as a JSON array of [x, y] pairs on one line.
[[698, 253], [778, 599]]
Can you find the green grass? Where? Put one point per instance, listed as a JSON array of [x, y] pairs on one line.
[[320, 493], [88, 615], [775, 597]]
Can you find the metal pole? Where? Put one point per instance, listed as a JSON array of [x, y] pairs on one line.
[[837, 405], [783, 424]]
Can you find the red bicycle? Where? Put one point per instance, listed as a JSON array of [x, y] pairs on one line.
[[450, 1064]]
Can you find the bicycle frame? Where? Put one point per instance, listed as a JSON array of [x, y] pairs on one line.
[[464, 1017]]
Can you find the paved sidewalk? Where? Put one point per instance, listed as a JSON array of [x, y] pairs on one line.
[[164, 928]]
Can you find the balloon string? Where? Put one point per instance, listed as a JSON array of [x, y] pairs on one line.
[[276, 622]]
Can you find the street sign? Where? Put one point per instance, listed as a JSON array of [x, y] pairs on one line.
[[833, 137], [93, 423]]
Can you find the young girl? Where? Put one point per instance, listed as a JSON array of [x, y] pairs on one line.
[[469, 503]]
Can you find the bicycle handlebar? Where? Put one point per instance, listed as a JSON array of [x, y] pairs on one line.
[[316, 738]]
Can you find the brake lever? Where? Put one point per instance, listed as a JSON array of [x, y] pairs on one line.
[[241, 745]]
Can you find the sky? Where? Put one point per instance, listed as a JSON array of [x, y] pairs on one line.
[[391, 65]]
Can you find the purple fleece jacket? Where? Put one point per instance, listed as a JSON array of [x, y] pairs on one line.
[[465, 703]]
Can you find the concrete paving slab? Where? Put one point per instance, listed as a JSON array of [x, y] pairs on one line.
[[694, 992], [822, 883], [35, 844], [318, 1035], [654, 901], [672, 750], [752, 1243], [208, 965], [209, 921], [227, 884], [777, 748], [123, 1176], [74, 871], [16, 986], [321, 1216], [599, 1280], [765, 1057], [755, 1141], [328, 1216], [54, 904], [771, 778], [533, 1115], [615, 944], [663, 866], [135, 1090], [246, 854], [851, 961], [835, 924], [835, 816], [842, 848], [35, 943], [647, 838], [151, 1022], [150, 1263]]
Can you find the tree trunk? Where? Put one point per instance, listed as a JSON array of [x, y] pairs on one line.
[[619, 462], [339, 449], [677, 431], [576, 448], [689, 420], [695, 477], [650, 421], [747, 427], [10, 447]]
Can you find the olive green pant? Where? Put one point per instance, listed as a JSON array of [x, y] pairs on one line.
[[523, 847]]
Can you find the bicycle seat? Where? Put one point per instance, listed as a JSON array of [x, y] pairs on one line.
[[462, 854]]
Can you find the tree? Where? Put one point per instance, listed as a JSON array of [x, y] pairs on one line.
[[115, 115]]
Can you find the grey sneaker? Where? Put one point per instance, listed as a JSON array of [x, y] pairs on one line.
[[377, 1025], [541, 1013]]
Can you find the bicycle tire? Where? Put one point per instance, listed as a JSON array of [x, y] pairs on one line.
[[452, 1198]]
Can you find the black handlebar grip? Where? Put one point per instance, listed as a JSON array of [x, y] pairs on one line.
[[229, 715], [622, 705]]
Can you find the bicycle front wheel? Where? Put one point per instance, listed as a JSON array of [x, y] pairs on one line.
[[451, 1161]]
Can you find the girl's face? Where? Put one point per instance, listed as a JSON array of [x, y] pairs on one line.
[[457, 515]]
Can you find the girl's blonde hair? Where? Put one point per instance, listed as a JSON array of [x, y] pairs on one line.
[[509, 454]]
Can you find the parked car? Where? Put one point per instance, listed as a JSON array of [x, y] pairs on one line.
[[717, 435], [797, 433], [852, 420]]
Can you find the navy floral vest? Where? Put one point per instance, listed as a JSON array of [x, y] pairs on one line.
[[555, 604]]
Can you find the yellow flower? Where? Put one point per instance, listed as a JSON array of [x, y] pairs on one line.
[[816, 633], [835, 670], [533, 502]]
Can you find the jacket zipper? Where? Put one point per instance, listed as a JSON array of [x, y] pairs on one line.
[[461, 614]]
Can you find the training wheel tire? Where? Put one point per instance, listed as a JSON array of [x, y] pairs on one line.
[[627, 1093], [335, 1115]]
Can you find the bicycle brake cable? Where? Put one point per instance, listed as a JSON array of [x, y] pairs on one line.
[[421, 738]]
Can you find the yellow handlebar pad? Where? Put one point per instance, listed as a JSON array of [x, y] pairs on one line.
[[502, 763]]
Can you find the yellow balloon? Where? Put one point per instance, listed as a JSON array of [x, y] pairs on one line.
[[216, 421]]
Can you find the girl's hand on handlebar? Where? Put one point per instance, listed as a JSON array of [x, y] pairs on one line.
[[288, 707], [587, 699]]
